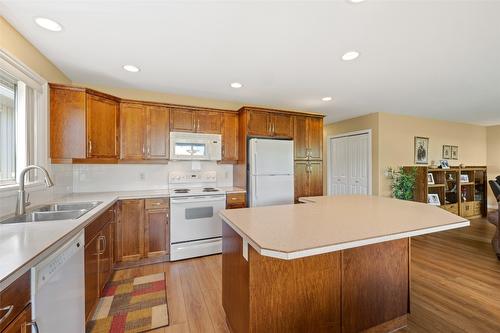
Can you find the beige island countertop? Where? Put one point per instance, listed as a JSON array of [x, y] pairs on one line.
[[326, 224]]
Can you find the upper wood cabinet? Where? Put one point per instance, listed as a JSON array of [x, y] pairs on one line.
[[102, 121], [230, 137], [144, 132], [282, 125], [158, 137], [83, 125], [273, 124], [133, 129], [308, 138], [200, 121], [258, 123]]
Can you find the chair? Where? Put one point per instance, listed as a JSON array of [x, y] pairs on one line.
[[494, 217]]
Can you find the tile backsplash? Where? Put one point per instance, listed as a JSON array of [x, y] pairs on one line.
[[130, 177], [61, 174]]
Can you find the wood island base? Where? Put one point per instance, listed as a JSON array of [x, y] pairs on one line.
[[355, 290]]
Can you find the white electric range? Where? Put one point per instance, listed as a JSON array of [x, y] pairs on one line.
[[195, 225]]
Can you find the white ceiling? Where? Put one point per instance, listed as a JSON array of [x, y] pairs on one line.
[[438, 59]]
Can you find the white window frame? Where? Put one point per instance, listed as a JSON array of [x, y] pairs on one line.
[[21, 72]]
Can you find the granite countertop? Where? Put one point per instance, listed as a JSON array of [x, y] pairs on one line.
[[327, 224]]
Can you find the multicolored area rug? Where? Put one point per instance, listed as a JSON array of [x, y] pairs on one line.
[[132, 305]]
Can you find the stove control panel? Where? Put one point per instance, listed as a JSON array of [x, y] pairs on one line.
[[192, 178]]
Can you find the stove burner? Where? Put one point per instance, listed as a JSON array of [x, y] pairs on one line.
[[210, 189], [181, 190]]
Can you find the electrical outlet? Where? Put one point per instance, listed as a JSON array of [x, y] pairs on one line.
[[142, 176]]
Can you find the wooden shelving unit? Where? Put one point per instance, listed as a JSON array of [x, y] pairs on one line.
[[467, 199]]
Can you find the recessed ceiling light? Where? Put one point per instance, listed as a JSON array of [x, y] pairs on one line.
[[236, 85], [326, 99], [48, 24], [131, 68], [355, 1], [351, 55]]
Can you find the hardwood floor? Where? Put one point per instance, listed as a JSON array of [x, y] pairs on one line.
[[455, 286]]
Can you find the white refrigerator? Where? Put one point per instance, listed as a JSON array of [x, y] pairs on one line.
[[270, 172]]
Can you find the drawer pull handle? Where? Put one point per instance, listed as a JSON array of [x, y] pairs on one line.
[[9, 311], [34, 325]]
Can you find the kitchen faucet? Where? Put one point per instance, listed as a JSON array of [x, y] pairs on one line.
[[21, 200]]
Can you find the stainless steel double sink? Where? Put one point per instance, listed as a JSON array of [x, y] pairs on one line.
[[54, 212]]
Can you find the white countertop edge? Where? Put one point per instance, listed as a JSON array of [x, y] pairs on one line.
[[342, 246]]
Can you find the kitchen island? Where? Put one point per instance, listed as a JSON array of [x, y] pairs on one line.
[[333, 264]]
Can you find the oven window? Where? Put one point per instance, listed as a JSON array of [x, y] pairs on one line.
[[189, 149], [199, 213]]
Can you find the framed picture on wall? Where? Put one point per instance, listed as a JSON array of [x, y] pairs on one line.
[[446, 152], [454, 153], [421, 150]]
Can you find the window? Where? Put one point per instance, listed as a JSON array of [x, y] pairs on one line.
[[22, 121], [7, 130], [189, 149]]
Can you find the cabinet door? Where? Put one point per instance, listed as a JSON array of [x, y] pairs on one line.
[[133, 131], [158, 133], [315, 137], [131, 230], [315, 178], [182, 120], [300, 137], [105, 256], [102, 125], [20, 323], [282, 125], [91, 275], [301, 184], [230, 138], [208, 122], [67, 124], [157, 239], [259, 123]]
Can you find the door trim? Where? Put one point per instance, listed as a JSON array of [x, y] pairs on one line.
[[329, 157]]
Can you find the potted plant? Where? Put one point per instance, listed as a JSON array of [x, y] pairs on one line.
[[403, 186]]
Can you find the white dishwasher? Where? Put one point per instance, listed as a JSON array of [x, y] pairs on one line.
[[58, 289]]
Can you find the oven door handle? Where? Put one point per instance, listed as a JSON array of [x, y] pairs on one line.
[[196, 200]]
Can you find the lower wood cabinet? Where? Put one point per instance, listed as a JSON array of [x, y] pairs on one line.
[[308, 179], [22, 323], [143, 229], [236, 200], [15, 309], [98, 258]]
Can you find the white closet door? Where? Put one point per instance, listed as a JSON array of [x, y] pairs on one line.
[[339, 163], [358, 164]]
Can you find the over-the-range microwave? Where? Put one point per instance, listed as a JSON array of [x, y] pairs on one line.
[[195, 146]]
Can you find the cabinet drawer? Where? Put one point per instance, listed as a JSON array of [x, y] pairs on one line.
[[157, 203], [235, 200], [14, 299], [452, 208]]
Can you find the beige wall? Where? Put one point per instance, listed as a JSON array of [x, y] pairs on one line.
[[16, 45], [393, 141], [369, 121], [396, 139], [153, 96], [493, 149]]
